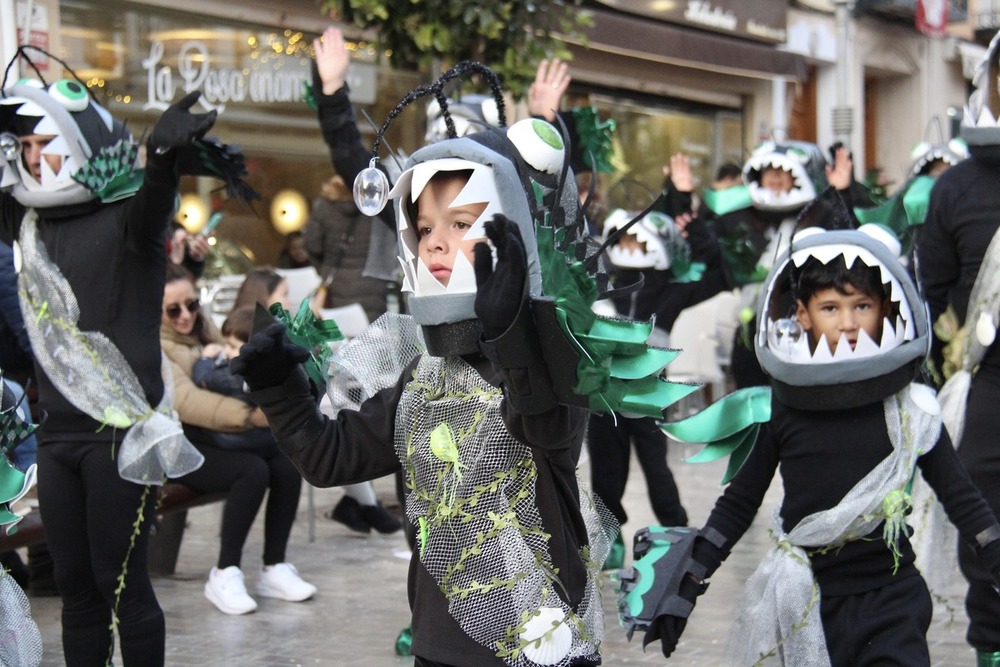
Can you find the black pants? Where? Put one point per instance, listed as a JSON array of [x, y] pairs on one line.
[[246, 477], [89, 511], [610, 446], [980, 453], [887, 626]]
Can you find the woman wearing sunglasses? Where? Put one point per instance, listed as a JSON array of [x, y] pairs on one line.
[[186, 336]]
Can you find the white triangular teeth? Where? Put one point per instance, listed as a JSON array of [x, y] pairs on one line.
[[909, 333], [428, 284], [986, 118], [407, 275], [865, 346], [889, 336], [969, 119], [822, 354], [9, 177], [843, 351]]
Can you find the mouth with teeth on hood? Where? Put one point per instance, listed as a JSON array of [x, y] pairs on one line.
[[642, 246], [897, 328], [802, 190]]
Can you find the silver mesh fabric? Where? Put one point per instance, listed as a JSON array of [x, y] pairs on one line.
[[471, 488], [777, 621], [374, 359], [485, 544], [21, 644], [93, 375]]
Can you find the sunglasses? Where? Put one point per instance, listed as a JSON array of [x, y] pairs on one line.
[[173, 311]]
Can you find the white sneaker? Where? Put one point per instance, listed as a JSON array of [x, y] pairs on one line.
[[225, 589], [282, 581]]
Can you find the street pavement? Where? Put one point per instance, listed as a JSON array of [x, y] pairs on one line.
[[361, 605]]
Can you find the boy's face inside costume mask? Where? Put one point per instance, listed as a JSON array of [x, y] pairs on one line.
[[494, 165], [644, 245], [784, 176], [442, 225], [842, 315], [844, 344]]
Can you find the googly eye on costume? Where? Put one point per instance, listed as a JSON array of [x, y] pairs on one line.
[[71, 94]]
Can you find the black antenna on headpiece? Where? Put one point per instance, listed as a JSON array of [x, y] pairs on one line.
[[436, 89], [22, 53]]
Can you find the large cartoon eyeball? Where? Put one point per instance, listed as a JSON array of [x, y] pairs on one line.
[[70, 94], [539, 143]]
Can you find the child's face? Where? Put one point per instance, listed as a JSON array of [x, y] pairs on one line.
[[441, 230], [777, 181], [280, 295], [233, 345], [837, 314]]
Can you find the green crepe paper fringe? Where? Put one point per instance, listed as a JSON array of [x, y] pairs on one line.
[[314, 334], [616, 370], [594, 138]]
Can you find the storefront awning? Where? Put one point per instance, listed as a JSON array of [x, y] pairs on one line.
[[649, 39]]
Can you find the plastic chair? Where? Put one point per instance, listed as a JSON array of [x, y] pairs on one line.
[[302, 284]]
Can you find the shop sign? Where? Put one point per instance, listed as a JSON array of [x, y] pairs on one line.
[[193, 70], [38, 31], [761, 20]]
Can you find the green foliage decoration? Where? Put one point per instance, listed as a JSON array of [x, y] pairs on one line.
[[509, 36]]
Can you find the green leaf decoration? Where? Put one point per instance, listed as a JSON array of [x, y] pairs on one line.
[[312, 333], [617, 371], [443, 444], [902, 212]]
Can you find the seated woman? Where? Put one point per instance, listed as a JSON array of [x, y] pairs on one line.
[[245, 475]]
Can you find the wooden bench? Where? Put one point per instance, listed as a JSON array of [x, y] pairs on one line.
[[165, 542]]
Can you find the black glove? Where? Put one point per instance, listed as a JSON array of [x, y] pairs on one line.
[[500, 290], [667, 628], [178, 127], [268, 358]]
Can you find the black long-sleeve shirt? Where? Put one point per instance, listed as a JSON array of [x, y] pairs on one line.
[[823, 455], [961, 221]]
